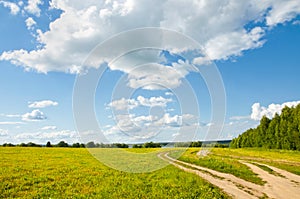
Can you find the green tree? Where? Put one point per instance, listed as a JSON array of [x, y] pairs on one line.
[[151, 145], [48, 144], [76, 145], [196, 144], [90, 145], [137, 146], [282, 132], [62, 144]]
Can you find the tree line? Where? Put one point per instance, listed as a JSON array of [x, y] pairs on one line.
[[48, 144], [147, 145], [65, 144], [87, 145], [215, 144], [281, 132], [102, 145]]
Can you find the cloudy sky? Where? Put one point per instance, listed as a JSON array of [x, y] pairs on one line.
[[171, 88]]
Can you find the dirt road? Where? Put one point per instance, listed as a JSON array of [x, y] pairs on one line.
[[281, 184]]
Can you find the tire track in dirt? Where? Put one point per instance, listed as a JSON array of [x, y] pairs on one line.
[[286, 185]]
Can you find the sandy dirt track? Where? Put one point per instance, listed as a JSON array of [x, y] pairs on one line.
[[282, 185]]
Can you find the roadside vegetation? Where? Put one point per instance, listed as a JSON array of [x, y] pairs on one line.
[[219, 163], [284, 159], [227, 160]]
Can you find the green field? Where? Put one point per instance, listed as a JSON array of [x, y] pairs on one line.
[[75, 173]]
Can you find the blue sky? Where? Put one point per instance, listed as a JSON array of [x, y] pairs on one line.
[[143, 95]]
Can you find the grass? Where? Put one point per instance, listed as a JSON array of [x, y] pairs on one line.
[[222, 164], [282, 159], [268, 169], [130, 160], [74, 173], [227, 161]]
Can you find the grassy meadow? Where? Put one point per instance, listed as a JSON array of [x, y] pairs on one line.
[[227, 160], [75, 173]]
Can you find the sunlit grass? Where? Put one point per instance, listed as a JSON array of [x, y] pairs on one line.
[[227, 160], [222, 164], [75, 173], [283, 159]]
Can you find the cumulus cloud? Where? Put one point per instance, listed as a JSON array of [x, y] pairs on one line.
[[282, 12], [145, 70], [153, 101], [42, 104], [220, 26], [14, 8], [123, 104], [233, 43], [35, 115], [147, 127], [30, 23], [177, 120], [127, 104], [33, 7], [259, 111]]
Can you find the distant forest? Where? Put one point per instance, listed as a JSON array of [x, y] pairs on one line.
[[282, 132]]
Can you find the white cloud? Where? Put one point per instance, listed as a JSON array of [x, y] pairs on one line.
[[283, 11], [209, 124], [42, 137], [10, 123], [10, 115], [49, 128], [35, 115], [30, 23], [125, 123], [153, 101], [148, 127], [33, 7], [3, 132], [125, 104], [154, 77], [144, 70], [259, 111], [297, 22], [13, 115], [169, 94], [220, 26], [14, 8], [42, 104], [167, 119], [177, 120], [233, 43]]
